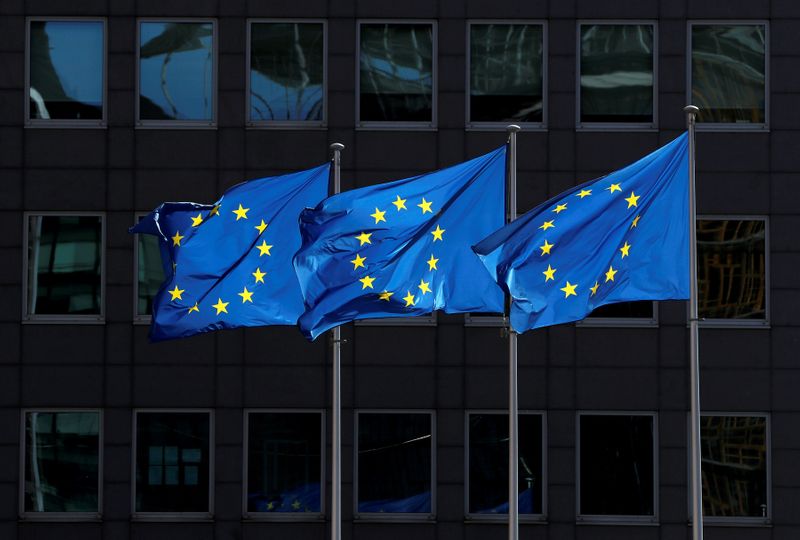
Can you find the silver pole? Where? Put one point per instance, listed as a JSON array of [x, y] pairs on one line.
[[336, 406], [694, 357], [513, 406]]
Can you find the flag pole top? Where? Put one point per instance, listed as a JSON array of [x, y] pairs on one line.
[[513, 128], [337, 146], [691, 109]]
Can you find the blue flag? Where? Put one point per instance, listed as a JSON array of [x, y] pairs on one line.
[[623, 237], [230, 264], [402, 248]]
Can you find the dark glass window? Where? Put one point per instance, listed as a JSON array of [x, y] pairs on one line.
[[64, 265], [172, 462], [176, 71], [150, 272], [396, 73], [616, 73], [488, 464], [394, 462], [66, 70], [616, 465], [284, 462], [731, 269], [625, 310], [62, 451], [286, 71], [729, 72], [505, 73]]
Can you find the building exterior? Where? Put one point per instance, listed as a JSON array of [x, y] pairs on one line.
[[109, 108]]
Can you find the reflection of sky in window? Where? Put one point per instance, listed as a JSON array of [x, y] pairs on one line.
[[76, 50], [283, 102], [187, 73]]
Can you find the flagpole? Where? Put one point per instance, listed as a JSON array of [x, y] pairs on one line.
[[513, 425], [694, 357], [336, 406]]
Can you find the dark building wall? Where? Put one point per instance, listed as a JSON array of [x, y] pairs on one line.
[[448, 367]]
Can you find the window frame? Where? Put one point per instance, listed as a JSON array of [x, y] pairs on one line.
[[373, 125], [138, 319], [395, 517], [615, 126], [28, 318], [730, 126], [503, 518], [422, 320], [138, 122], [283, 516], [60, 123], [503, 126], [621, 322], [595, 519], [60, 516], [174, 517]]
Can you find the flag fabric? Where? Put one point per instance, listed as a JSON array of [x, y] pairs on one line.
[[402, 248], [620, 238], [230, 264]]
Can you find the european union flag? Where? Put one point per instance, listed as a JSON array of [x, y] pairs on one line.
[[402, 248], [230, 264], [623, 237]]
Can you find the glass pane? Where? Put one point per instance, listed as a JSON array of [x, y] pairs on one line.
[[505, 73], [625, 310], [616, 73], [728, 72], [176, 71], [616, 456], [150, 272], [283, 468], [734, 466], [64, 265], [286, 71], [488, 463], [66, 70], [61, 461], [731, 269], [182, 484], [394, 462], [396, 74]]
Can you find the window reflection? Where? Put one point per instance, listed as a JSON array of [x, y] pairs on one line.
[[176, 71], [66, 70], [150, 272]]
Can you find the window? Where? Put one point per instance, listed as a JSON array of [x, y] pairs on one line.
[[177, 73], [729, 74], [62, 464], [149, 274], [617, 74], [487, 465], [65, 72], [506, 73], [173, 463], [284, 464], [732, 271], [639, 313], [64, 274], [616, 467], [287, 73], [395, 465], [396, 82]]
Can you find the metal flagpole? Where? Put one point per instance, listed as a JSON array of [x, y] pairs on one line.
[[694, 357]]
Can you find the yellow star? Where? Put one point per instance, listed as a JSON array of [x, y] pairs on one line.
[[264, 249], [215, 211], [270, 505], [259, 275], [584, 193], [409, 298], [569, 290], [364, 238], [632, 200], [358, 261], [247, 296], [378, 215], [197, 220], [635, 222], [610, 274], [176, 240], [366, 281], [400, 203], [426, 206], [624, 249], [560, 208], [240, 212], [614, 187], [432, 263], [176, 293], [220, 306], [194, 308], [262, 227], [547, 225], [423, 286], [296, 505], [437, 234], [549, 273], [594, 288], [546, 248], [385, 295]]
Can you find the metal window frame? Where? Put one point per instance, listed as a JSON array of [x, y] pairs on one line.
[[730, 126], [286, 124], [615, 126], [739, 521], [476, 320], [743, 323], [28, 318], [621, 322], [175, 517], [599, 519], [376, 125], [395, 517], [503, 126], [138, 318], [60, 123], [422, 320], [60, 516], [283, 517], [503, 518], [139, 123]]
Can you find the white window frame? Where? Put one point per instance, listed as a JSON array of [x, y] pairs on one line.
[[28, 318], [72, 123], [621, 322], [730, 126]]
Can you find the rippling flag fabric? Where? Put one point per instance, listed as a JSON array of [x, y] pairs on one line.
[[620, 238]]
